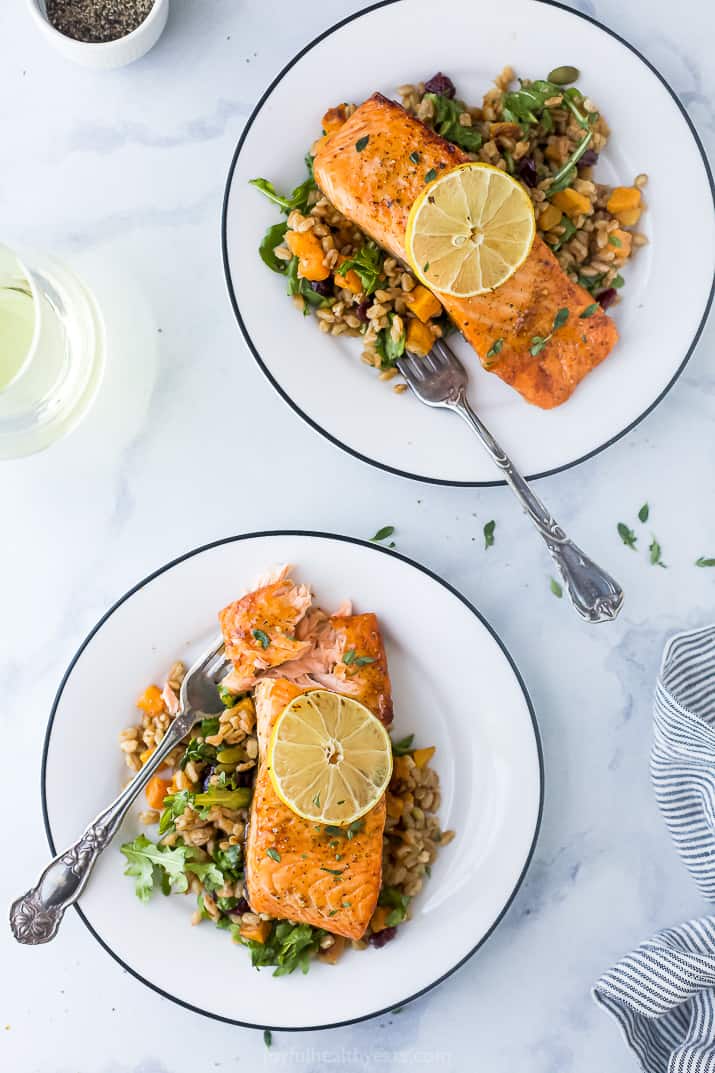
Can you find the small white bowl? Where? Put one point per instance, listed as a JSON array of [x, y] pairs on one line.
[[108, 54]]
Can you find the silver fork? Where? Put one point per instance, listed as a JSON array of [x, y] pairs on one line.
[[36, 916], [440, 380]]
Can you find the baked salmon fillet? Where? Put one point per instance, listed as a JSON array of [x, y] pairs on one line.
[[375, 189], [308, 883]]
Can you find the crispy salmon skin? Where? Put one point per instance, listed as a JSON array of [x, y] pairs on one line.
[[375, 188]]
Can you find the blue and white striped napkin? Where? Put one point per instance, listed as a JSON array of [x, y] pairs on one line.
[[663, 994]]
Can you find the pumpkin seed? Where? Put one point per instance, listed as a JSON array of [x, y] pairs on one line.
[[563, 76]]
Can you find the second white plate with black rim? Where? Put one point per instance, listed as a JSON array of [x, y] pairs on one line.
[[454, 685], [668, 285]]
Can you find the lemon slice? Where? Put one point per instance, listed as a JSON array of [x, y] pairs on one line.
[[469, 230], [330, 758]]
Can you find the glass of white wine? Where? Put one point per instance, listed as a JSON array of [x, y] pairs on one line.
[[51, 351]]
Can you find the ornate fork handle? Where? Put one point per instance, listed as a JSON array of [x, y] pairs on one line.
[[594, 593], [36, 916]]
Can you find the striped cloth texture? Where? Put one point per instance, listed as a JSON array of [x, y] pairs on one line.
[[663, 994]]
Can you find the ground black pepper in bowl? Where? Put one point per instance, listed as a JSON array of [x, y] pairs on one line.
[[97, 21]]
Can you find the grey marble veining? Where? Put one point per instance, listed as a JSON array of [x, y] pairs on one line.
[[126, 173]]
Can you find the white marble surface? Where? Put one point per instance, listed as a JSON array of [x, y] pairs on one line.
[[125, 172]]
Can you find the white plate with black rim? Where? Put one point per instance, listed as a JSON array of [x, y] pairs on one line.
[[668, 285], [455, 686]]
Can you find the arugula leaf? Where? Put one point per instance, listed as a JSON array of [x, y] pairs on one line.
[[489, 534], [383, 534], [398, 902], [298, 285], [207, 871], [388, 348], [556, 588], [403, 746], [702, 561], [209, 726], [298, 199], [569, 231], [288, 947], [273, 237], [174, 806], [643, 513], [230, 862], [446, 123], [145, 857], [627, 535], [367, 263]]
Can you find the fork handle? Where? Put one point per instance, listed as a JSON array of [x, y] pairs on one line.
[[36, 916], [593, 592]]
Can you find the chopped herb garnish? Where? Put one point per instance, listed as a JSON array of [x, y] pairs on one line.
[[489, 534], [643, 513], [415, 157], [617, 281], [425, 266], [359, 661], [614, 240], [654, 550], [702, 561], [333, 912], [495, 348], [589, 311], [430, 175], [346, 905], [333, 871], [316, 800], [362, 142], [403, 746], [556, 588], [538, 342], [627, 535], [383, 534], [262, 638], [267, 1037], [273, 853]]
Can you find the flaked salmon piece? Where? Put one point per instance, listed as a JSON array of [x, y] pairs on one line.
[[259, 630], [307, 883], [376, 187]]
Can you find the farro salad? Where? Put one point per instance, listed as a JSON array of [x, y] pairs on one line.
[[214, 811], [546, 133]]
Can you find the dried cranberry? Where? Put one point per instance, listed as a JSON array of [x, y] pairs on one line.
[[607, 298], [379, 938], [589, 158], [361, 310], [206, 777], [441, 84], [526, 170], [242, 906], [323, 287]]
